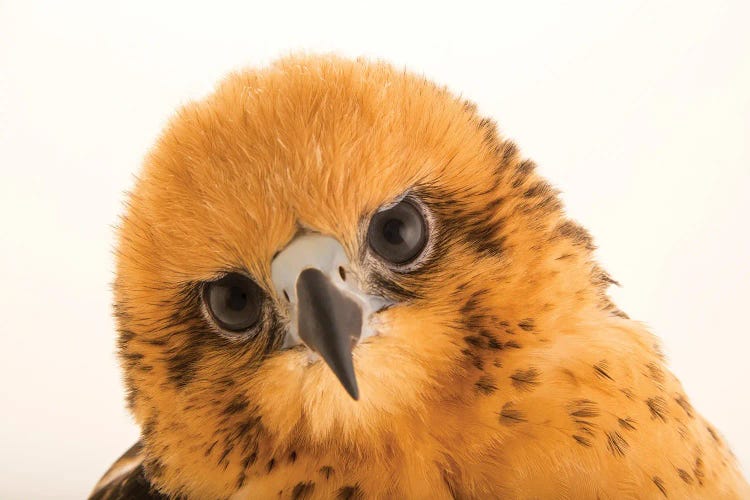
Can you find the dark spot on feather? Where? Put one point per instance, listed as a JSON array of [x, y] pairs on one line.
[[326, 471], [149, 426], [350, 493], [659, 484], [472, 304], [270, 465], [627, 423], [524, 169], [601, 370], [303, 490], [576, 234], [616, 444], [156, 342], [509, 151], [583, 408], [182, 360], [492, 342], [510, 415], [469, 106], [525, 380], [488, 126], [585, 427], [473, 321], [237, 405], [571, 376], [492, 205], [619, 313], [480, 231], [473, 340], [582, 441], [132, 359], [486, 385], [486, 334], [627, 392], [511, 344], [183, 366], [685, 476], [125, 336], [226, 382], [543, 197], [527, 324], [685, 405], [655, 373], [225, 454], [699, 471], [240, 480], [580, 410], [210, 449], [658, 408], [482, 234], [293, 456], [249, 460], [600, 278], [541, 188], [474, 358]]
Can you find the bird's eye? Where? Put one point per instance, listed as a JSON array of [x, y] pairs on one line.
[[234, 302], [398, 234]]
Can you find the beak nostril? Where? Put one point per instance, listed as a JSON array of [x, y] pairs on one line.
[[286, 296], [342, 273]]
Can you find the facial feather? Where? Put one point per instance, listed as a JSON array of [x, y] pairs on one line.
[[503, 346]]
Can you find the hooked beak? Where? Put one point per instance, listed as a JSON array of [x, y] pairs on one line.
[[329, 323], [328, 310]]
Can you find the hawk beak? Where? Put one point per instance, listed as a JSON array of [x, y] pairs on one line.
[[327, 308], [329, 323]]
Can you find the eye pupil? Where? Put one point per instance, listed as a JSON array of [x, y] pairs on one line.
[[392, 231], [234, 302], [236, 299], [398, 234]]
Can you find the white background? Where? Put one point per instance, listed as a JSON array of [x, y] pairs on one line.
[[639, 112]]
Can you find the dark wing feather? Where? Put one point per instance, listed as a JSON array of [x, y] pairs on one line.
[[126, 479]]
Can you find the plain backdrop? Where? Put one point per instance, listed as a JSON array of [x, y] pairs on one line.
[[638, 111]]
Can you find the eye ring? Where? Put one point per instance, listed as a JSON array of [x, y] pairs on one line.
[[398, 234], [234, 302]]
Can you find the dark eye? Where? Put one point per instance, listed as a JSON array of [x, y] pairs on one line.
[[234, 302], [399, 233]]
